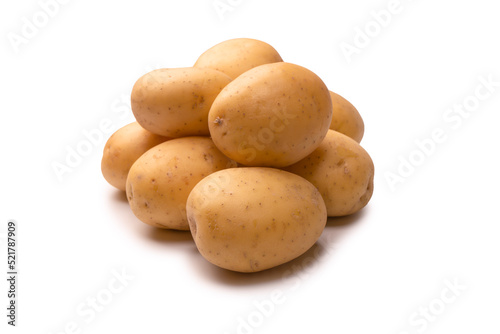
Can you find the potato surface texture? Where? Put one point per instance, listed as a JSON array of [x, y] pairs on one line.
[[236, 56], [342, 171], [122, 149], [250, 219], [346, 118], [175, 102], [160, 181], [272, 115]]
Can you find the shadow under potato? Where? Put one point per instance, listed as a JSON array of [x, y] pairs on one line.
[[155, 234], [165, 235], [120, 196], [345, 220]]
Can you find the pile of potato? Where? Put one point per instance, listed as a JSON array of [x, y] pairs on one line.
[[249, 153]]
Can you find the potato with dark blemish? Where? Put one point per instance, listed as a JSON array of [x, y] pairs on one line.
[[342, 171], [174, 102], [122, 149], [346, 118], [272, 115], [160, 181], [250, 219], [236, 56]]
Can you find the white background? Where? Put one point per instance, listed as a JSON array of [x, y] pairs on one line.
[[375, 271]]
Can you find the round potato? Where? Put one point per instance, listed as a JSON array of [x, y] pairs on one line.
[[253, 218], [346, 118], [342, 171], [272, 115], [122, 149], [236, 56], [175, 102], [160, 181]]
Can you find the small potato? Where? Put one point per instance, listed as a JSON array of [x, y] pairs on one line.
[[342, 171], [272, 115], [160, 181], [253, 218], [346, 118], [175, 102], [236, 56], [122, 149]]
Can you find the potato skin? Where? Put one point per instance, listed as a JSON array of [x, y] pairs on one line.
[[174, 102], [250, 219], [160, 181], [272, 115], [346, 118], [236, 56], [342, 171], [122, 149]]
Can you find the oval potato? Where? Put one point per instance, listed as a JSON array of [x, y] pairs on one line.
[[122, 149], [272, 115], [174, 102], [252, 218], [346, 118], [236, 56], [160, 181], [342, 171]]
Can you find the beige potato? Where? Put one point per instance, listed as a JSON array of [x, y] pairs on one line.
[[253, 218], [238, 55], [160, 181], [122, 149], [346, 118], [174, 102], [342, 171], [272, 115]]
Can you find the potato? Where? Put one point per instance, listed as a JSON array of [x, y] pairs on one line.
[[342, 171], [122, 149], [236, 56], [346, 118], [175, 102], [160, 181], [272, 115], [253, 218]]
